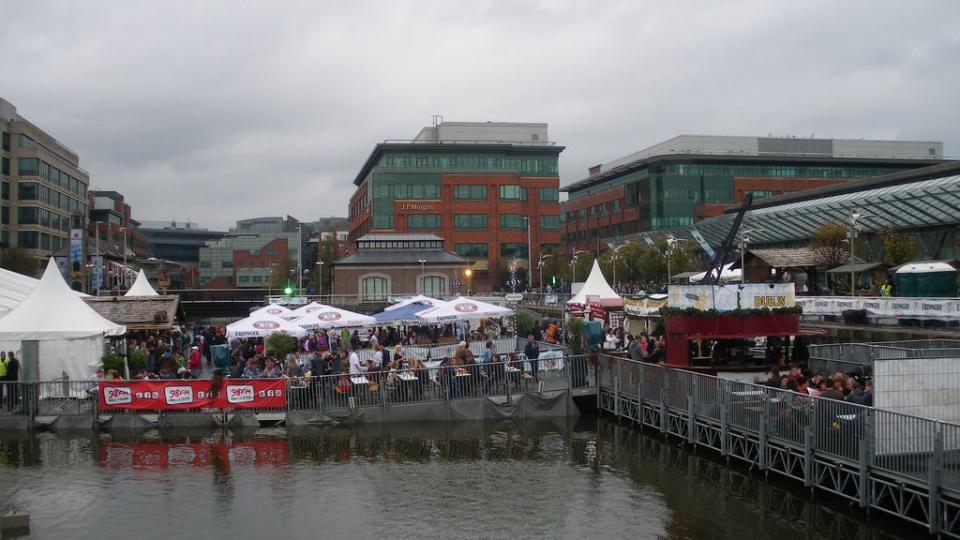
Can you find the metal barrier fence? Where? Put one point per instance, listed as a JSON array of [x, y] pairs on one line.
[[900, 464], [441, 383]]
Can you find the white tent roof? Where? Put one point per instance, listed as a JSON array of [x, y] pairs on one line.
[[304, 310], [460, 309], [726, 275], [331, 317], [54, 311], [596, 285], [262, 325], [15, 288], [274, 310], [923, 267], [417, 299], [141, 287]]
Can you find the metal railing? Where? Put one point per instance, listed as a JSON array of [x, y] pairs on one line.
[[341, 390], [896, 463]]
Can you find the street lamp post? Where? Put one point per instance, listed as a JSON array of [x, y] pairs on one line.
[[299, 258], [540, 268], [123, 233], [671, 243], [853, 241], [320, 280], [469, 273], [573, 267], [529, 253], [614, 257], [422, 272]]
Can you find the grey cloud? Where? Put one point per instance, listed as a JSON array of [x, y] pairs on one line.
[[219, 111]]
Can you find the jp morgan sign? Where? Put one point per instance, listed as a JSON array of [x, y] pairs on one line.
[[416, 207]]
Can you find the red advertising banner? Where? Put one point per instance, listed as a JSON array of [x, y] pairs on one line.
[[193, 394]]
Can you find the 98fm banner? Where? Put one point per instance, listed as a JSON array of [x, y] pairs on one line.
[[192, 394]]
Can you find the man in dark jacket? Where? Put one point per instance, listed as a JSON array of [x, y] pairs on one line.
[[13, 378], [532, 352]]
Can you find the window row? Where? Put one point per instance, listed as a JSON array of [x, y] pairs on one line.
[[32, 191], [529, 166], [36, 167], [38, 240]]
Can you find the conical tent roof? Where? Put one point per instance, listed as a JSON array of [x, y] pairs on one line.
[[275, 310], [54, 311], [461, 309], [596, 285], [142, 287]]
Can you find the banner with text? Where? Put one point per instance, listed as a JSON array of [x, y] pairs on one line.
[[919, 308], [731, 297], [193, 394]]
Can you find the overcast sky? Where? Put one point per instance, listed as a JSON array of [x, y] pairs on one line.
[[217, 111]]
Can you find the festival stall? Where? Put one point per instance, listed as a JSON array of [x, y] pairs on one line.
[[71, 333], [141, 287], [331, 317], [597, 298], [261, 325]]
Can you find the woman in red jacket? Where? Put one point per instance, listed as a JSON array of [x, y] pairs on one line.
[[194, 362]]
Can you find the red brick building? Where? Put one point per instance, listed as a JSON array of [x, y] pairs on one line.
[[475, 185]]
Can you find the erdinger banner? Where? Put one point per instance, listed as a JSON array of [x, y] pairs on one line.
[[192, 394], [890, 307]]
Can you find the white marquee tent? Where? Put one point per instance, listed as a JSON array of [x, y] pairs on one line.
[[305, 310], [331, 317], [141, 287], [418, 299], [727, 275], [262, 325], [461, 309], [71, 333], [597, 286], [275, 310]]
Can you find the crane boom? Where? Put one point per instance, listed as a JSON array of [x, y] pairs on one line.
[[717, 264]]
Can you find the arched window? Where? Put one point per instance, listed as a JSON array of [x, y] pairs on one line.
[[374, 288], [433, 285]]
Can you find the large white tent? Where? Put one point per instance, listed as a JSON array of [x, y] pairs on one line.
[[305, 309], [727, 275], [331, 317], [15, 288], [70, 332], [597, 287], [262, 325], [461, 309], [141, 287]]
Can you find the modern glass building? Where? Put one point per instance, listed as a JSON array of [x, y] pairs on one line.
[[42, 185], [690, 178], [924, 203], [488, 189]]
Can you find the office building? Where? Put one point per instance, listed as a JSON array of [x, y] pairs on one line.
[[110, 219], [488, 189], [178, 241], [42, 185], [689, 178], [251, 252]]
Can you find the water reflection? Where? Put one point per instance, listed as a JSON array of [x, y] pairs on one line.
[[537, 479]]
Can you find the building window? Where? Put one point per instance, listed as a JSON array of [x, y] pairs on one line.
[[28, 215], [471, 251], [515, 193], [468, 193], [433, 285], [5, 166], [5, 215], [470, 221], [549, 194], [374, 288], [513, 251], [5, 144], [28, 239], [257, 278], [550, 223], [6, 191], [423, 221], [28, 166], [382, 221], [204, 264], [24, 141], [512, 221], [243, 279]]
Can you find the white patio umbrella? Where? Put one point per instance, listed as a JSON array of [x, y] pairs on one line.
[[263, 325], [305, 310], [461, 309], [331, 317], [418, 299], [275, 310]]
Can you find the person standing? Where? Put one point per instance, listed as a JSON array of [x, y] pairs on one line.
[[13, 378], [3, 376], [532, 352]]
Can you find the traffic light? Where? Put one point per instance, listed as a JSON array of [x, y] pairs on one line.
[[553, 280], [288, 291]]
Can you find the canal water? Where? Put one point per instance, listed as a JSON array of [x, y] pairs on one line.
[[585, 479]]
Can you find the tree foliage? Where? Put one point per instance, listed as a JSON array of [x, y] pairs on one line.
[[19, 260], [829, 244], [898, 248], [280, 344]]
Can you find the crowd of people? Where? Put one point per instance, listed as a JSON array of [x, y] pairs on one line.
[[856, 387]]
